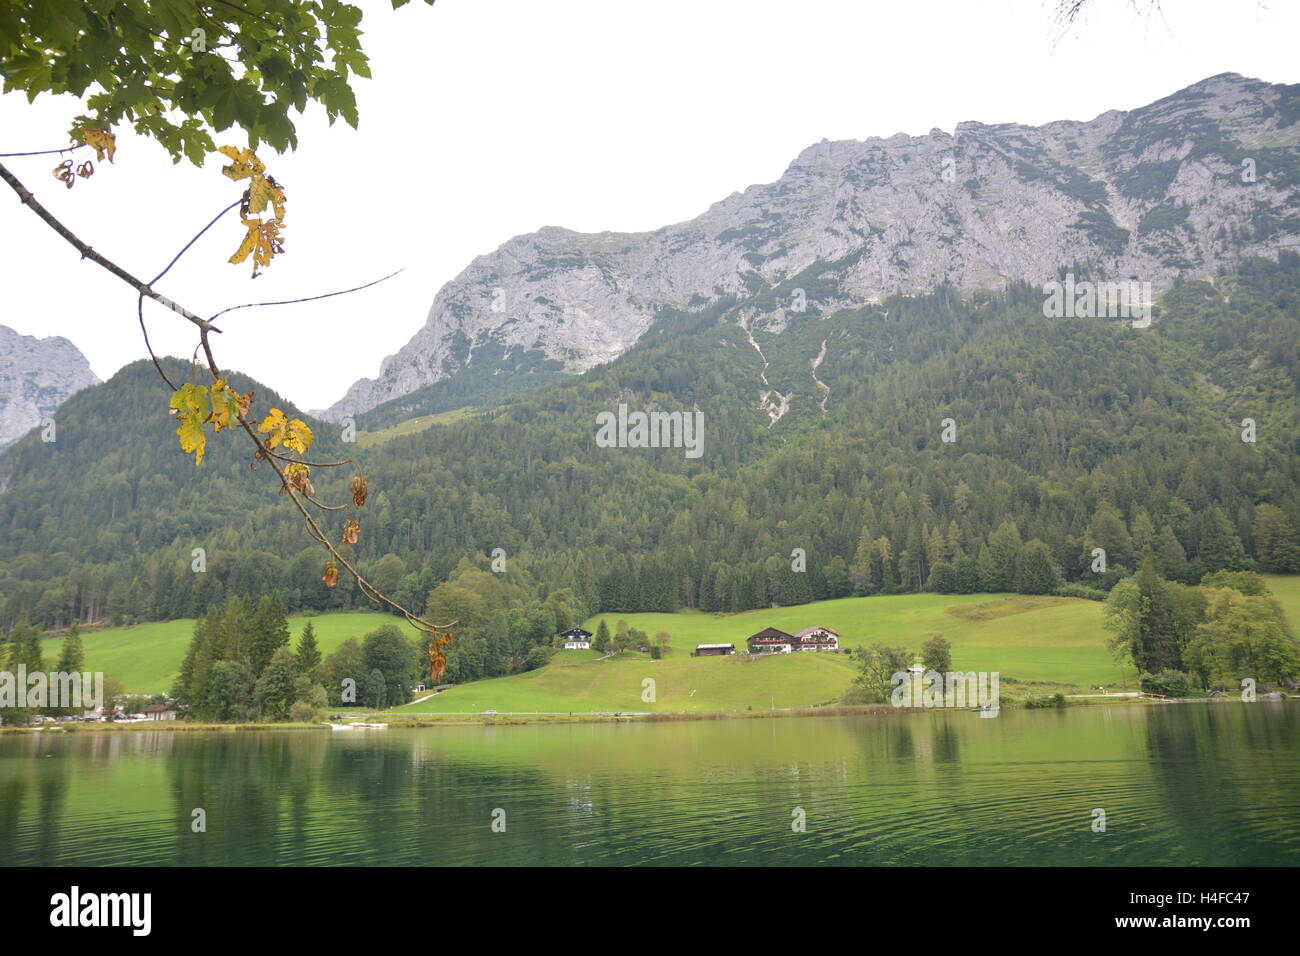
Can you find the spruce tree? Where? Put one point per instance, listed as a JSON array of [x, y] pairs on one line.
[[1157, 645], [309, 656], [1276, 542], [268, 632]]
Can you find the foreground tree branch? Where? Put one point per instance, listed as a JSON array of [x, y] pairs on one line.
[[139, 285], [294, 489]]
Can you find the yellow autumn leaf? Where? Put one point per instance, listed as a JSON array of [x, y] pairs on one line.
[[190, 402], [282, 430], [262, 241], [299, 437], [226, 404], [244, 163], [260, 195], [254, 227], [103, 142], [193, 440]]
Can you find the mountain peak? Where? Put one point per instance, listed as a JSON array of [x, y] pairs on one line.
[[36, 376], [1154, 192]]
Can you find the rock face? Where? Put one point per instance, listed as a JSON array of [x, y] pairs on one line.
[[36, 376], [1182, 187]]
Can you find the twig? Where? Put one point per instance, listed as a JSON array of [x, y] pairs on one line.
[[139, 311], [194, 240], [45, 152], [312, 298]]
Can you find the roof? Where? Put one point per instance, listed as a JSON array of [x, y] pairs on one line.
[[701, 647], [771, 634], [807, 632], [575, 631], [157, 709]]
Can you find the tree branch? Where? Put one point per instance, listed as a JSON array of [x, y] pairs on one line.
[[206, 328], [45, 152], [311, 298], [88, 253], [194, 240]]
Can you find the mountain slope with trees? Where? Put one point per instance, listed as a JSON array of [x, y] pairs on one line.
[[1070, 435]]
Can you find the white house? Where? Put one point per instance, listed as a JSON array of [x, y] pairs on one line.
[[576, 639], [817, 639]]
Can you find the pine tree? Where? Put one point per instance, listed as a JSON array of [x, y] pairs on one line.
[[1217, 544], [309, 656], [268, 632], [275, 688], [1107, 531], [72, 660], [601, 643], [24, 652], [1035, 573], [1276, 543], [1173, 559], [1004, 552], [1157, 645]]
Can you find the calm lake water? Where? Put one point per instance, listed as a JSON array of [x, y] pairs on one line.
[[1182, 784]]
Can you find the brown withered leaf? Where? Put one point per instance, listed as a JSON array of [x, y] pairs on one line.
[[298, 476], [437, 657], [351, 531], [331, 575], [359, 491]]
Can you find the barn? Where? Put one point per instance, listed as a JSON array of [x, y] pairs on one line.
[[714, 650]]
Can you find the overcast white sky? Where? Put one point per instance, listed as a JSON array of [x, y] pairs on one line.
[[490, 118]]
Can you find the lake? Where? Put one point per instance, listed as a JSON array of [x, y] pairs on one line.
[[1179, 785]]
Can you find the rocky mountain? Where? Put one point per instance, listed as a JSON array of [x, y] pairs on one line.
[[36, 377], [1177, 189]]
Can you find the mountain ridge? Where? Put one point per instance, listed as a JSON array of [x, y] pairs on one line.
[[37, 375], [1158, 192]]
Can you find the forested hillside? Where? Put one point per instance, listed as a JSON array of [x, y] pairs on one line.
[[1070, 435]]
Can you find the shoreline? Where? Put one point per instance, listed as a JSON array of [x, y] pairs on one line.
[[399, 721]]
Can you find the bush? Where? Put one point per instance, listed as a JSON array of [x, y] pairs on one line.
[[1247, 582], [857, 695], [1169, 683], [1075, 590], [304, 713], [1036, 703], [538, 656]]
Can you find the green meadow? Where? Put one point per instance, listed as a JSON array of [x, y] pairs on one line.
[[1024, 638], [147, 657], [1027, 639]]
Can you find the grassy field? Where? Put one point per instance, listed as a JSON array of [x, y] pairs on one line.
[[1026, 639], [368, 439], [1030, 638], [146, 658]]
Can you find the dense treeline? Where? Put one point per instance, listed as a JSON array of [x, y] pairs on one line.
[[1071, 435], [240, 666]]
